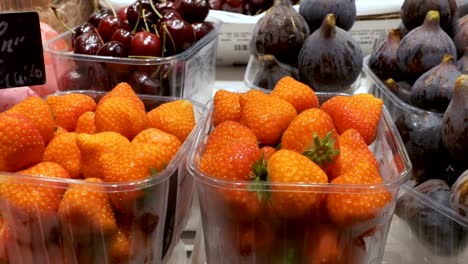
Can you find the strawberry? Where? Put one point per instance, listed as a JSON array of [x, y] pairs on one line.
[[287, 166], [62, 149], [300, 95], [360, 111], [124, 89], [119, 247], [232, 162], [349, 206], [59, 130], [33, 206], [267, 151], [85, 123], [175, 117], [313, 134], [353, 149], [226, 106], [169, 143], [132, 162], [227, 132], [266, 116], [92, 147], [39, 112], [21, 144], [86, 210], [253, 239], [67, 108], [121, 115]]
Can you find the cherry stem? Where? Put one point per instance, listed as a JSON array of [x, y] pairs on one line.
[[140, 9], [166, 31], [111, 7], [99, 36], [154, 9], [54, 9], [145, 21]]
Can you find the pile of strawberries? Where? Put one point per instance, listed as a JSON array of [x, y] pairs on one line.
[[75, 136], [284, 139]]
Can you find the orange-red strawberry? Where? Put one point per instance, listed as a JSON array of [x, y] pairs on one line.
[[85, 123], [232, 162], [360, 111], [176, 117], [353, 149], [121, 115], [134, 161], [313, 134], [227, 132], [119, 247], [297, 93], [59, 130], [67, 108], [226, 106], [21, 144], [250, 95], [267, 116], [123, 89], [348, 206], [62, 149], [92, 147], [288, 166], [267, 151], [32, 206], [169, 143], [86, 210], [39, 112]]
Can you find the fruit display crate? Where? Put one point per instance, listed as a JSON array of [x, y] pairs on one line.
[[364, 242], [157, 220], [189, 74], [423, 230]]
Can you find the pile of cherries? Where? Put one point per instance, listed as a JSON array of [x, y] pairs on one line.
[[144, 29], [246, 7]]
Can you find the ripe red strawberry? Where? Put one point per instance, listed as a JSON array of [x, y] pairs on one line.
[[32, 206], [85, 123], [169, 143], [360, 111], [21, 144], [62, 149], [313, 134], [267, 116], [123, 89], [39, 112], [67, 108], [227, 132], [287, 166], [300, 95], [347, 208], [353, 149], [226, 106]]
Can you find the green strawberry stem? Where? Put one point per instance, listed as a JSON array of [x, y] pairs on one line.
[[323, 151], [259, 174]]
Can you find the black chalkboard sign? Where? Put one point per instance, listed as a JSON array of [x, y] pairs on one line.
[[21, 56]]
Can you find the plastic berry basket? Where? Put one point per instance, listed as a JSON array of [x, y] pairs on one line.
[[412, 241], [231, 236], [152, 229], [190, 74]]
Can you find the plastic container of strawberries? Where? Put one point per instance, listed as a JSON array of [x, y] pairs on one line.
[[190, 74], [268, 239], [153, 228], [411, 241]]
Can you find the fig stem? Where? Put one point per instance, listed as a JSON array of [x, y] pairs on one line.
[[461, 83], [432, 18], [448, 58], [328, 25]]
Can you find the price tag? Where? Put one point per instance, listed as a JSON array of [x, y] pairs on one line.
[[21, 54]]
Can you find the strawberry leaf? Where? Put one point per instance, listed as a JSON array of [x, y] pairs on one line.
[[323, 151]]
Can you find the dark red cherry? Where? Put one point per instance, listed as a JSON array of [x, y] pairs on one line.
[[178, 34], [143, 83], [193, 10], [161, 6], [215, 4], [147, 12], [201, 29], [235, 6], [113, 49], [109, 25], [146, 44], [169, 14], [87, 43], [122, 13], [96, 17], [83, 28], [123, 36]]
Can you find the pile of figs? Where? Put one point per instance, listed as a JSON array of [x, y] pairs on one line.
[[423, 63], [312, 45]]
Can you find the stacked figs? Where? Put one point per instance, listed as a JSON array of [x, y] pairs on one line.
[[246, 7], [146, 29], [312, 45], [423, 63]]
